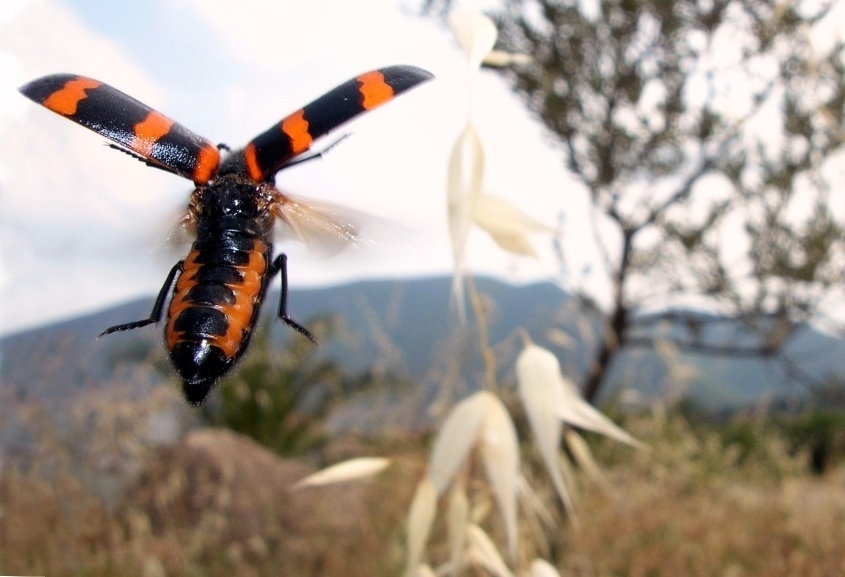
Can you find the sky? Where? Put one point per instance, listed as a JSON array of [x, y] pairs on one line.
[[83, 227]]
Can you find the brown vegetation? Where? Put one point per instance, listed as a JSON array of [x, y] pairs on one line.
[[218, 504], [696, 507]]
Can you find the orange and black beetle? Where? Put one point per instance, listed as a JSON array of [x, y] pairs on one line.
[[222, 282]]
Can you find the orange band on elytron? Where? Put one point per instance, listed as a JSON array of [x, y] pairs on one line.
[[208, 158], [255, 172], [296, 127], [153, 127], [66, 100], [374, 89]]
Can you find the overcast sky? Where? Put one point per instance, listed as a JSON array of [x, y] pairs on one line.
[[82, 226]]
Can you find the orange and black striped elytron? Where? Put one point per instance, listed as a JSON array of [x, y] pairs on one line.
[[220, 285]]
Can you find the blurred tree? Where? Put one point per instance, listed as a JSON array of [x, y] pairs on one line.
[[706, 133], [820, 435]]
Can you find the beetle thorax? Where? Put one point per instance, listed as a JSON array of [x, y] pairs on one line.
[[231, 197]]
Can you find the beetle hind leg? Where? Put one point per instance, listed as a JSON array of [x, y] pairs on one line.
[[281, 265], [155, 315]]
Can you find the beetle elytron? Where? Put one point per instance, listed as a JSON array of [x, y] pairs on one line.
[[220, 285]]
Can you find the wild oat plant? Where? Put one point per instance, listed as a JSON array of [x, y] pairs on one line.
[[475, 465]]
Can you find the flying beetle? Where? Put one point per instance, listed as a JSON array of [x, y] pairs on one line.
[[218, 289]]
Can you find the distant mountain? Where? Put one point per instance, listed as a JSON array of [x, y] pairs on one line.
[[406, 328], [101, 408]]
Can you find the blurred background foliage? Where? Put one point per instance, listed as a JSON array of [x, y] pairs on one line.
[[642, 105], [706, 135]]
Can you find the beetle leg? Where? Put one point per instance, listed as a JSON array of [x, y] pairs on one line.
[[155, 315], [281, 265]]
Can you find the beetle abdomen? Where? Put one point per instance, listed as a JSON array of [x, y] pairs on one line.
[[214, 307]]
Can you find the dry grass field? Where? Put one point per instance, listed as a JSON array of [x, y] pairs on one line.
[[219, 504]]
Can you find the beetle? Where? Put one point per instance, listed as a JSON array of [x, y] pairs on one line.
[[218, 289]]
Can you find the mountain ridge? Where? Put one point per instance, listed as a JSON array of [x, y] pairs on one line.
[[407, 328]]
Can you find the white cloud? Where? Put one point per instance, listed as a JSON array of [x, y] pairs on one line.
[[268, 34], [64, 194], [80, 224]]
